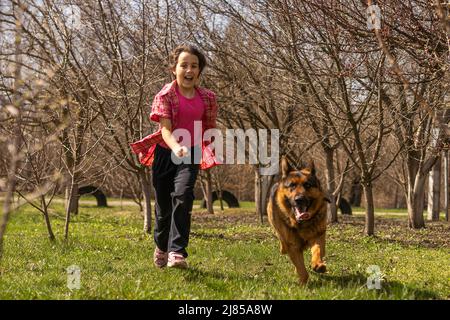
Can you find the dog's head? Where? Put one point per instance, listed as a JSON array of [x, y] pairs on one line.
[[301, 190]]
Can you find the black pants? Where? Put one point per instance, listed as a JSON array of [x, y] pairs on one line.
[[174, 189]]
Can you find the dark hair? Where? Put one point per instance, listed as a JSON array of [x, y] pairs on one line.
[[173, 58]]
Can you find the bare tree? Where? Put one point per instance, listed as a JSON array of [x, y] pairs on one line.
[[15, 116], [417, 50], [126, 44], [244, 80]]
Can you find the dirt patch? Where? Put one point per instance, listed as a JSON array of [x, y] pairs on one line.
[[221, 223], [396, 230], [230, 217], [434, 235]]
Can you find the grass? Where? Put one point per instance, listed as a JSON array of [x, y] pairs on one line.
[[232, 256]]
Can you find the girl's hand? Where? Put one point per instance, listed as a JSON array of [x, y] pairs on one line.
[[181, 151]]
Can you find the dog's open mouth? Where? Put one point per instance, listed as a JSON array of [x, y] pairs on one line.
[[301, 214]]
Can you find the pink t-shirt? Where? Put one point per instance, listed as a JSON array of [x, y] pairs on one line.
[[190, 110]]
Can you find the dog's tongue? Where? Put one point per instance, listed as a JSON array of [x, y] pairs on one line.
[[299, 216]]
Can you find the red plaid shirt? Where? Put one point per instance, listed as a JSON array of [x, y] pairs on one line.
[[166, 105]]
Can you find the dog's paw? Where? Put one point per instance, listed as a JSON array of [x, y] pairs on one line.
[[282, 248], [303, 281], [320, 268]]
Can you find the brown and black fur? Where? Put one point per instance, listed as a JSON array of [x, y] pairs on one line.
[[299, 188]]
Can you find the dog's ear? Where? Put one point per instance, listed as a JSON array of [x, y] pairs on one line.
[[285, 167], [312, 167]]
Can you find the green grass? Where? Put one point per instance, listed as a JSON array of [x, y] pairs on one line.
[[232, 256]]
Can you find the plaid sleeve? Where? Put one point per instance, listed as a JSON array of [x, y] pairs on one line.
[[209, 159], [161, 108], [143, 145], [211, 112]]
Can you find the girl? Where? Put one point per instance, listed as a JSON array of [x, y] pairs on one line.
[[177, 106]]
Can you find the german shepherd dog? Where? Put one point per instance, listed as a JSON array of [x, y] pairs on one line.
[[297, 211]]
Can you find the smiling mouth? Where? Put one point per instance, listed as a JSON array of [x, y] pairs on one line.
[[301, 214]]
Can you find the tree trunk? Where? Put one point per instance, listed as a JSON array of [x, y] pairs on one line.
[[396, 198], [121, 199], [51, 235], [11, 186], [355, 198], [219, 192], [446, 177], [262, 188], [72, 196], [258, 198], [266, 184], [11, 181], [370, 210], [72, 199], [331, 186], [434, 192], [415, 203], [207, 192], [146, 185], [68, 211]]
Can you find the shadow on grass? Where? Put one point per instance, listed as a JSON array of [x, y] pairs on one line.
[[216, 281], [389, 289], [243, 236], [193, 273]]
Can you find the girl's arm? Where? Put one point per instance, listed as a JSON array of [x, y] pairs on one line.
[[169, 139]]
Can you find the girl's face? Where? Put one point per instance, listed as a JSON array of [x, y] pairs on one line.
[[187, 71]]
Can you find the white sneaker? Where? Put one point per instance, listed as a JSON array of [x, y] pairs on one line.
[[176, 260]]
